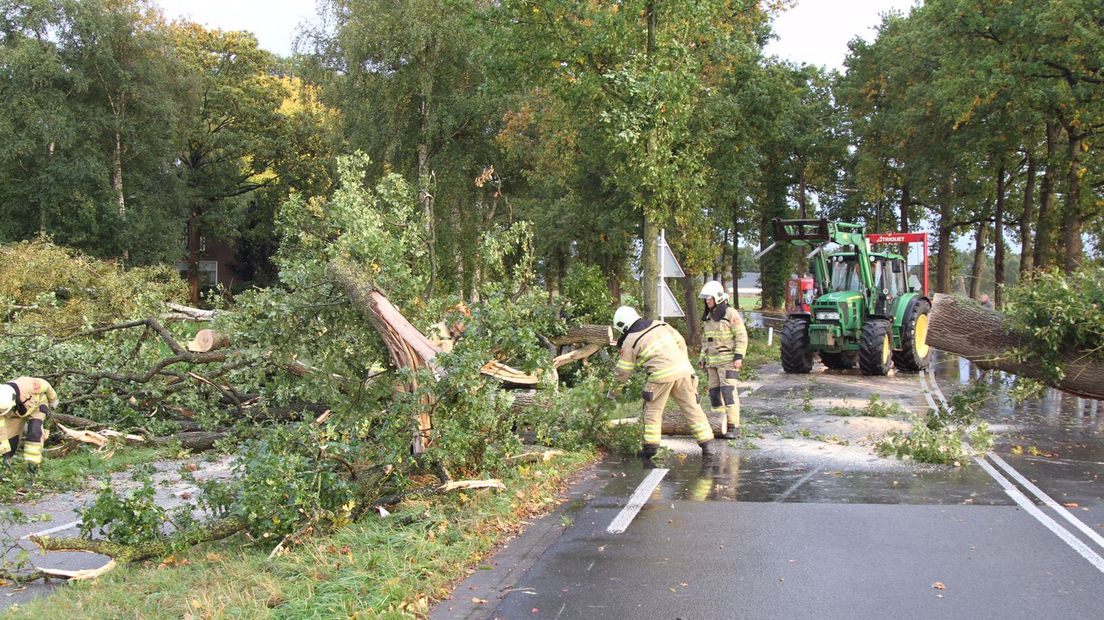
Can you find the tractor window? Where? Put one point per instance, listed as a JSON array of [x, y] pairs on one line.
[[890, 277], [845, 276]]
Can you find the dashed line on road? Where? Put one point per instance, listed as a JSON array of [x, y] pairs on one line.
[[621, 522], [1019, 497]]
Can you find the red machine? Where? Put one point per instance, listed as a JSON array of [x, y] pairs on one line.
[[800, 293]]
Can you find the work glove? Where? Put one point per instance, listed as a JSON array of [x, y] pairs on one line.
[[701, 363]]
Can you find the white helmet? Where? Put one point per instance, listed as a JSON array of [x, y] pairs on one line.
[[624, 318], [7, 398], [715, 290]]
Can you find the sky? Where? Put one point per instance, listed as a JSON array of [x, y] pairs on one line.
[[814, 32]]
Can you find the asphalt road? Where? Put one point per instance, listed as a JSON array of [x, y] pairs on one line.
[[791, 529]]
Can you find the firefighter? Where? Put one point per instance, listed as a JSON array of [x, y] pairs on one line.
[[24, 404], [724, 343], [661, 351]]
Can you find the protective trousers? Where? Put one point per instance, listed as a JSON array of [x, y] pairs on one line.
[[12, 429], [685, 393], [722, 393]]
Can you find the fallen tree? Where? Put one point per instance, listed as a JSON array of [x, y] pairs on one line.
[[985, 337]]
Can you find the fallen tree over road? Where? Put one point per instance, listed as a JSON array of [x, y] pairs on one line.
[[986, 337]]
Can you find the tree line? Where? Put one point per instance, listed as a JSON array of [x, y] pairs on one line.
[[596, 124]]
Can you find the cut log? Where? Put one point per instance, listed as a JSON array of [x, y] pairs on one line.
[[675, 423], [576, 355], [587, 334], [961, 326], [208, 340]]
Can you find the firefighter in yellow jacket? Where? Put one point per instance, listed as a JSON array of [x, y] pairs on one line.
[[724, 343], [24, 404], [661, 351]]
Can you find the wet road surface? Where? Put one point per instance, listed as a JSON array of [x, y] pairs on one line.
[[805, 521]]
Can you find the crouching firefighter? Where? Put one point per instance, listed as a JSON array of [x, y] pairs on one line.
[[661, 351], [724, 343], [24, 404]]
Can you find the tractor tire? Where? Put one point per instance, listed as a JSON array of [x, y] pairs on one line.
[[915, 352], [841, 360], [796, 356], [876, 347]]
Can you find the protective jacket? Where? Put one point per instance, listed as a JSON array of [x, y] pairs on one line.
[[34, 398], [724, 337], [658, 348]]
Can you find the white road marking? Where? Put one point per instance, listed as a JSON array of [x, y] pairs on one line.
[[1024, 502], [621, 522], [1052, 525], [1037, 492], [52, 530]]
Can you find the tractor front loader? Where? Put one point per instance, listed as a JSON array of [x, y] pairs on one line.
[[862, 307]]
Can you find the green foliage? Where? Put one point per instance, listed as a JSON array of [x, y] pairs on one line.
[[939, 437], [49, 288], [586, 295], [130, 519], [875, 408], [1058, 315]]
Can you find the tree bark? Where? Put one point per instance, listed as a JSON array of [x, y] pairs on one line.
[[193, 252], [1026, 241], [693, 321], [981, 239], [736, 274], [586, 334], [998, 239], [1072, 221], [195, 441], [216, 530], [943, 270], [983, 336], [649, 261], [1044, 230]]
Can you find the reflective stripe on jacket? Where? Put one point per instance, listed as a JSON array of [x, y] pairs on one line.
[[659, 349], [724, 337]]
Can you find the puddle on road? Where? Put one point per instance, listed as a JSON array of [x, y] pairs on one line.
[[754, 478]]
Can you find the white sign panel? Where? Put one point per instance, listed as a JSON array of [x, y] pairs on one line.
[[668, 266], [668, 305]]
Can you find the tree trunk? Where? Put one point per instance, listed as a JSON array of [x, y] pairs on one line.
[[981, 239], [1026, 245], [943, 270], [693, 321], [724, 259], [193, 252], [425, 196], [735, 262], [1044, 230], [649, 261], [983, 336], [1072, 221], [906, 202], [998, 238]]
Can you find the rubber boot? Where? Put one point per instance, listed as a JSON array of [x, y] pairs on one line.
[[712, 448], [733, 432]]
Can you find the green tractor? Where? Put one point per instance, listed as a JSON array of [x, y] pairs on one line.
[[861, 307]]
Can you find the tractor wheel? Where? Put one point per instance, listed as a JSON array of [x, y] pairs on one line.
[[915, 352], [875, 347], [796, 356], [841, 360]]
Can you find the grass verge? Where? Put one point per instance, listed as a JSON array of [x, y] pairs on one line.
[[390, 567]]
